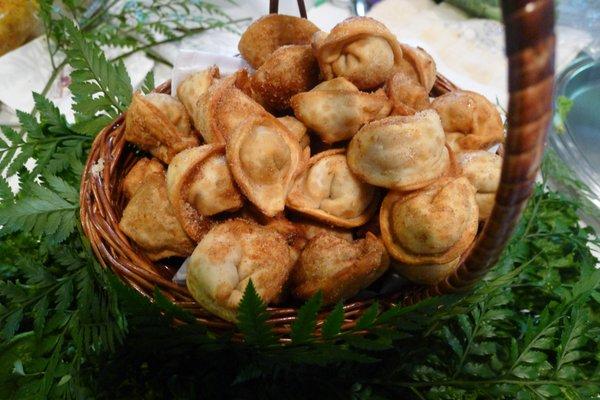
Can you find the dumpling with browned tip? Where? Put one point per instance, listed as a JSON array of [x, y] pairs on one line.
[[288, 71], [335, 110], [471, 121], [401, 153], [337, 267], [434, 225], [159, 124], [264, 158], [360, 49], [200, 185], [326, 190], [267, 34], [228, 257], [138, 173], [149, 220], [483, 170], [193, 87]]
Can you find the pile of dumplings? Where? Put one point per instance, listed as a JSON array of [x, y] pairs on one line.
[[317, 170]]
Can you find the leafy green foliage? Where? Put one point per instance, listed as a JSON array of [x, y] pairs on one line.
[[48, 212], [252, 318], [148, 85], [306, 322], [101, 89], [563, 107]]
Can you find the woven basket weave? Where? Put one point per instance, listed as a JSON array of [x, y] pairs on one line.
[[530, 49]]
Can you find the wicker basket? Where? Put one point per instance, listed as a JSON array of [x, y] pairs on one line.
[[530, 49]]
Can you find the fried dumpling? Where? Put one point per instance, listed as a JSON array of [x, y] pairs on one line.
[[138, 173], [264, 159], [407, 96], [483, 170], [231, 254], [327, 191], [428, 274], [223, 108], [401, 152], [338, 267], [335, 110], [470, 121], [299, 132], [289, 70], [200, 185], [434, 225], [149, 220], [193, 87], [418, 66], [360, 49], [267, 34], [159, 124]]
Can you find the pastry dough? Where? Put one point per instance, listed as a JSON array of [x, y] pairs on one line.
[[159, 124], [193, 87], [407, 96], [418, 66], [338, 267], [470, 121], [401, 153], [434, 225], [229, 256], [360, 49], [267, 34], [138, 173], [336, 109], [328, 191], [264, 159], [483, 170], [428, 274], [223, 108], [149, 220], [288, 71], [200, 185], [299, 132]]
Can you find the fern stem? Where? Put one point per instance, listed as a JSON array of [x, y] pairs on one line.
[[190, 32]]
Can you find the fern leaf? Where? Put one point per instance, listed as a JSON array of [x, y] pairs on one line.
[[44, 213], [368, 317], [304, 325], [252, 318], [148, 85], [333, 323]]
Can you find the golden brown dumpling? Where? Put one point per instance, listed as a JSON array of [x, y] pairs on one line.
[[483, 170], [229, 256], [267, 34], [289, 70], [149, 220], [223, 108], [138, 173], [428, 274], [299, 132], [193, 87], [470, 121], [200, 185], [159, 124], [335, 111], [328, 191], [360, 49], [338, 267], [407, 96], [434, 225], [401, 153], [418, 66], [264, 158]]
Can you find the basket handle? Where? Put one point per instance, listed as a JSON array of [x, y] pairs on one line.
[[530, 45], [274, 7]]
